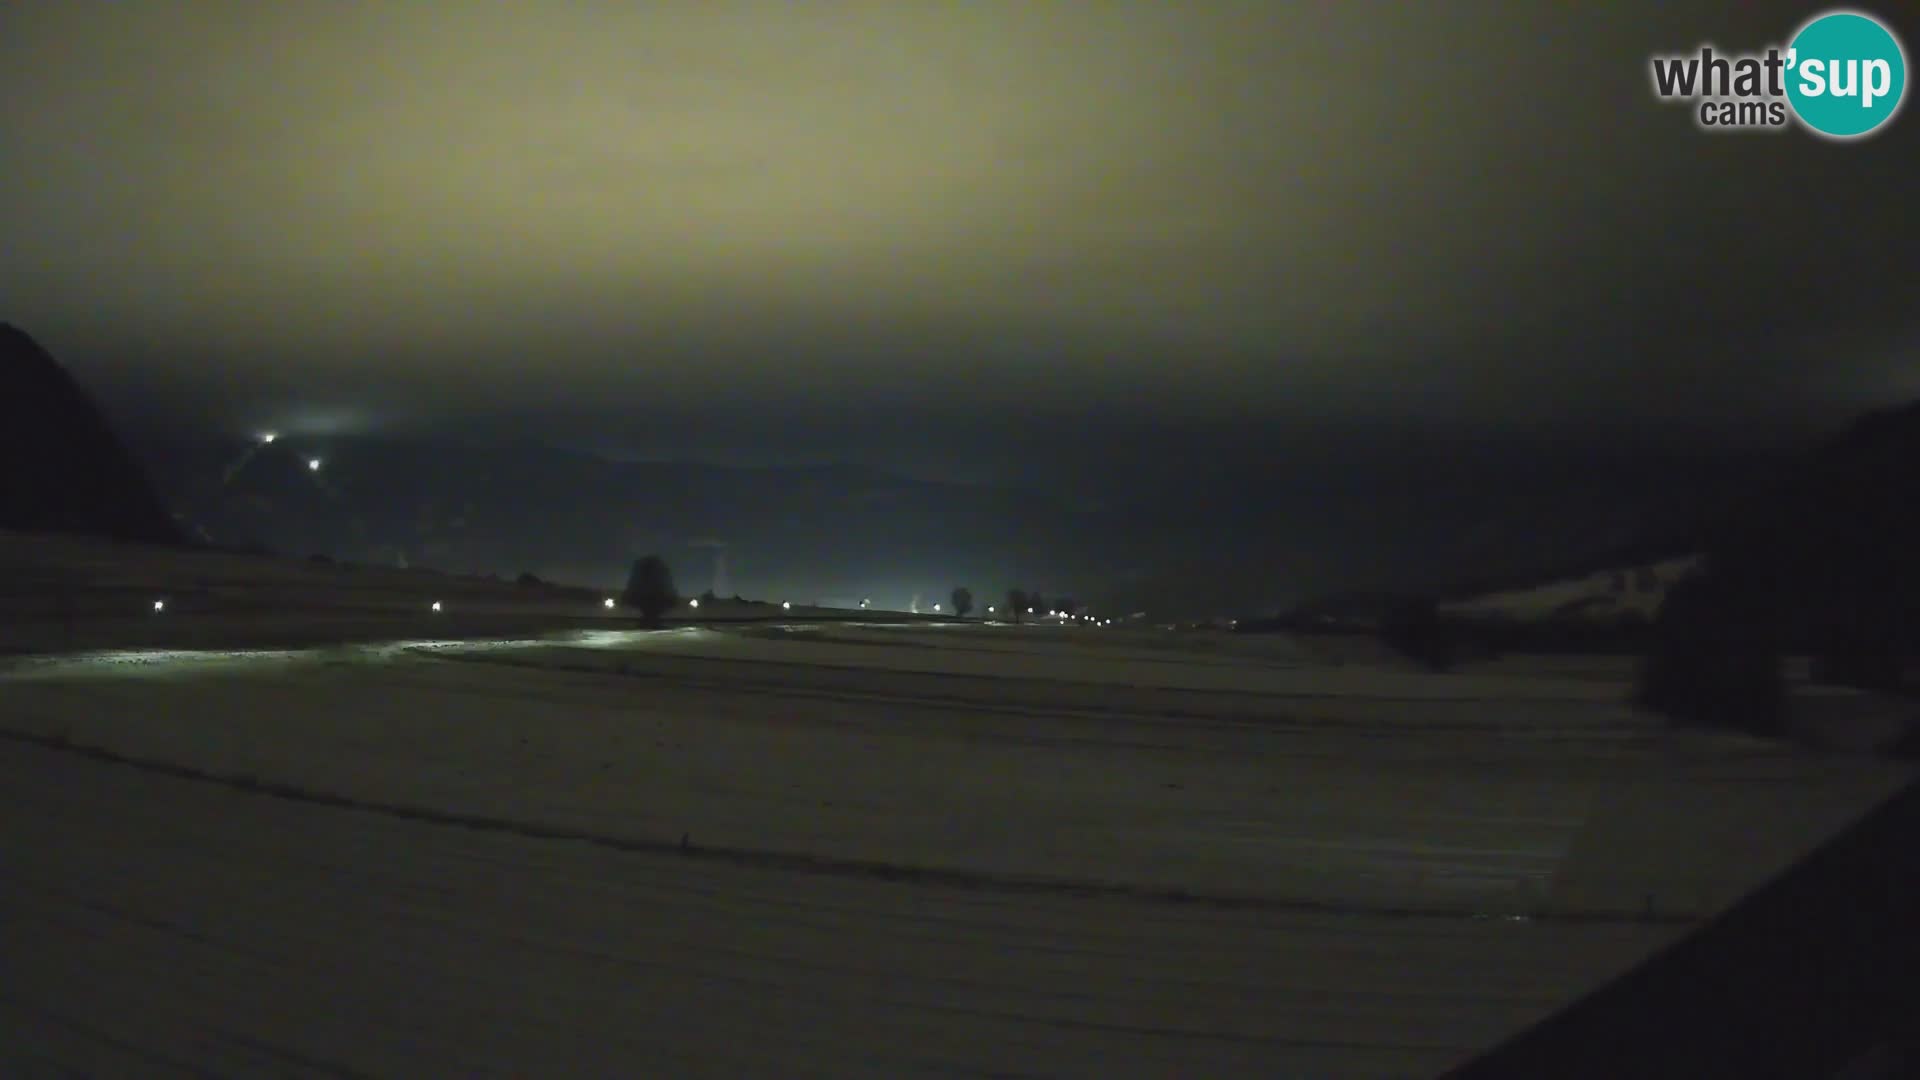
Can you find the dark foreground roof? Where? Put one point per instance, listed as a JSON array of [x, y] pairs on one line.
[[1816, 975]]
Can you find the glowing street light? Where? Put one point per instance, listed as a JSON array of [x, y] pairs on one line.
[[313, 464], [435, 607], [1029, 611], [786, 605], [989, 609], [694, 603], [268, 436], [936, 607], [159, 606], [608, 603]]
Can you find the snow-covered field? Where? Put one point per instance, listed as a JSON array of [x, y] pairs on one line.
[[848, 849]]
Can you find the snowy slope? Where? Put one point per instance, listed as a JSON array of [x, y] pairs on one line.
[[1601, 596]]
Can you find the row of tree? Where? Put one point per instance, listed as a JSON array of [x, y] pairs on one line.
[[1020, 603], [650, 592]]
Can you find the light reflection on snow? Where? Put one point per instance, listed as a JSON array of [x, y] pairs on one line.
[[617, 639], [145, 661], [160, 661], [464, 646]]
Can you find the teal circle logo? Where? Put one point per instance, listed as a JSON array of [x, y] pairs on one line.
[[1847, 75]]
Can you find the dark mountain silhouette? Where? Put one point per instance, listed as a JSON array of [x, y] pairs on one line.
[[800, 533], [62, 469], [1815, 552], [1192, 537]]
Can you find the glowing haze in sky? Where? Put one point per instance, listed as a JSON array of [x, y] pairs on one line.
[[600, 220]]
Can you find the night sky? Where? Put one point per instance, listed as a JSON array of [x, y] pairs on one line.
[[925, 233]]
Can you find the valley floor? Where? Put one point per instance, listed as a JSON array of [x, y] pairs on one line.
[[854, 849]]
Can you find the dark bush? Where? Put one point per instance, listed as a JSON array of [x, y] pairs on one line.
[[529, 578], [1863, 625], [1714, 659], [962, 601], [1414, 629]]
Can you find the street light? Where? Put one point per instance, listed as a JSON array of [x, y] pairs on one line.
[[608, 603], [313, 464], [159, 606], [936, 607], [786, 605], [694, 603], [435, 607], [267, 436]]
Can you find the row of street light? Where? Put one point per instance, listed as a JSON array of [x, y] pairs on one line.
[[160, 607]]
